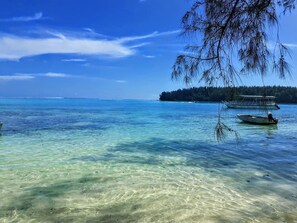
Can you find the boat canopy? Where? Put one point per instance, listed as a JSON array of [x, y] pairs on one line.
[[257, 96], [253, 102]]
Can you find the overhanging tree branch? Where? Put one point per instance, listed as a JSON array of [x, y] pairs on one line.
[[230, 30]]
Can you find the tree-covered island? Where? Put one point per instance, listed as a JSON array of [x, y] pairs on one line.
[[215, 94]]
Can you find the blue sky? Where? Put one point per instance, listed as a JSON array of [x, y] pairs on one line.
[[108, 49]]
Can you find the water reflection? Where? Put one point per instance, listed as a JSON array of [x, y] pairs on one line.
[[269, 130]]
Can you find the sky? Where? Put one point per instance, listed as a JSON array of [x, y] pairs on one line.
[[106, 49]]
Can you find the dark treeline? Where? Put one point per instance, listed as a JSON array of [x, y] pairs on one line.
[[283, 94]]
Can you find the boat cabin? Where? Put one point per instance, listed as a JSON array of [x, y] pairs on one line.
[[253, 102]]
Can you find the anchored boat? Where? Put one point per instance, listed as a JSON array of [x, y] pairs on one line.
[[253, 102], [260, 120]]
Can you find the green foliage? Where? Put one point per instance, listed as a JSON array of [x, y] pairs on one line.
[[215, 94]]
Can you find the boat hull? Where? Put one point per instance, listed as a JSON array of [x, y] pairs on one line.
[[259, 120]]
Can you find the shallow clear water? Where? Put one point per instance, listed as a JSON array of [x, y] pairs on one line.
[[143, 161]]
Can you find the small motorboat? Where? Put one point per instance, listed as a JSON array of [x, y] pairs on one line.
[[259, 120]]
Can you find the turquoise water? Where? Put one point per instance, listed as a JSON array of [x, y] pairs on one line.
[[72, 160]]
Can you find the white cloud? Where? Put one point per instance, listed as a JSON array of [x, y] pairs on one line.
[[16, 47], [16, 77], [36, 16], [50, 74], [74, 60]]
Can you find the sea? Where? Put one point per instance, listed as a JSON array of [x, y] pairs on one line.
[[89, 160]]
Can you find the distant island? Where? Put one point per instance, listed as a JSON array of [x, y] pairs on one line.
[[215, 94]]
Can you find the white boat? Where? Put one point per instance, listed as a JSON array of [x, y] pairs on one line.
[[260, 120], [253, 102]]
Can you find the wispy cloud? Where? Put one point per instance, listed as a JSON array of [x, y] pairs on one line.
[[149, 56], [121, 81], [50, 74], [17, 47], [16, 77], [272, 45], [56, 34], [74, 60], [89, 30], [94, 33], [30, 76], [173, 32], [291, 45], [36, 16], [47, 74], [151, 35], [139, 45]]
